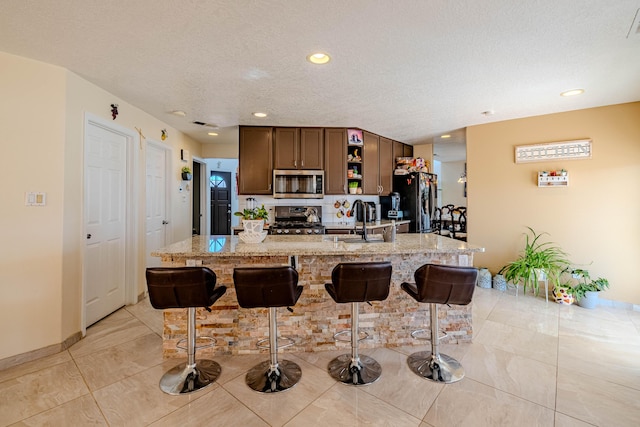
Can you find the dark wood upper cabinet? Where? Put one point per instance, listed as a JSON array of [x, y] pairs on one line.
[[408, 150], [255, 160], [386, 165], [335, 165], [298, 148], [370, 176]]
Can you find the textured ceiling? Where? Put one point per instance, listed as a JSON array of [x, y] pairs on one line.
[[408, 70]]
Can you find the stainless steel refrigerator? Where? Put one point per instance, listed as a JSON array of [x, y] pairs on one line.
[[418, 199]]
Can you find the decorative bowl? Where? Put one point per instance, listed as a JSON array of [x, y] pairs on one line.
[[251, 237]]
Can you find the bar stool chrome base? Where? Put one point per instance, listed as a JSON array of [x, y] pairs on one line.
[[439, 368], [268, 378], [363, 370], [185, 378]]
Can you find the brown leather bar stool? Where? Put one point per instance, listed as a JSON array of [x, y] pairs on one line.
[[269, 287], [354, 283], [439, 284], [186, 287]]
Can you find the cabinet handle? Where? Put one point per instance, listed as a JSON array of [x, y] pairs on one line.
[[295, 163], [302, 161]]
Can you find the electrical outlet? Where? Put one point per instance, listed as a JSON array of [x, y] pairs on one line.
[[191, 263]]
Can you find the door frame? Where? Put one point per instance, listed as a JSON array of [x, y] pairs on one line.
[[168, 236], [205, 197], [132, 214]]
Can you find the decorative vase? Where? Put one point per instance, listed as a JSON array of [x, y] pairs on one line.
[[186, 176], [499, 282], [562, 296], [484, 278], [589, 300], [253, 225]]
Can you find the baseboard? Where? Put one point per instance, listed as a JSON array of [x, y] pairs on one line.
[[30, 356]]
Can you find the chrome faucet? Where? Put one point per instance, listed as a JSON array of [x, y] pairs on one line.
[[359, 204]]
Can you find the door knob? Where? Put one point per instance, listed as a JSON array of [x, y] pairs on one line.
[[89, 236], [165, 222]]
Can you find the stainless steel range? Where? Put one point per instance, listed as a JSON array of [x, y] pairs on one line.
[[297, 220]]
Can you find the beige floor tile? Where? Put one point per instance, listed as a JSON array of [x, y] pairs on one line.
[[484, 300], [112, 364], [531, 344], [34, 365], [600, 329], [148, 315], [39, 391], [529, 379], [217, 408], [351, 406], [563, 420], [238, 366], [543, 320], [79, 412], [138, 400], [278, 408], [615, 362], [400, 387], [469, 403], [597, 401], [116, 329]]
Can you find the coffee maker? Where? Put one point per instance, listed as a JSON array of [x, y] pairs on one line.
[[390, 206]]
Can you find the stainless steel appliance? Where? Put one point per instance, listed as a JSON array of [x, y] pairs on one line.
[[297, 220], [390, 206], [298, 184], [418, 199]]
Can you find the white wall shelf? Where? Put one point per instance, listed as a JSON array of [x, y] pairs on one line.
[[546, 180]]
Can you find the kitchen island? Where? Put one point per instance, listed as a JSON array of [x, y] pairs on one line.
[[316, 317]]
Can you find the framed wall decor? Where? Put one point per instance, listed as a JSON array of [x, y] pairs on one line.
[[563, 150], [354, 136]]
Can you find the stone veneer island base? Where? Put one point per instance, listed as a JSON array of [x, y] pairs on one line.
[[316, 317]]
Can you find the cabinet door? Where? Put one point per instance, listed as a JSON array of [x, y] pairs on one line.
[[335, 165], [311, 148], [286, 148], [385, 165], [408, 150], [398, 151], [370, 177], [255, 160]]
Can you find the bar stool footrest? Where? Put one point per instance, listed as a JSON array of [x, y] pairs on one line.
[[418, 334], [338, 335], [288, 343], [201, 342]]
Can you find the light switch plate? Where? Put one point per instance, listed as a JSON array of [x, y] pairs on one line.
[[35, 199]]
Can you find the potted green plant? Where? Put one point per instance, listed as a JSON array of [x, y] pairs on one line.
[[586, 291], [253, 219], [186, 173], [539, 261]]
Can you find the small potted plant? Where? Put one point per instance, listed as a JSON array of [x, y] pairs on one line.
[[186, 173], [538, 261], [586, 291], [253, 219]]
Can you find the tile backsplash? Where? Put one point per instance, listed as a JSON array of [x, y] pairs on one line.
[[328, 203]]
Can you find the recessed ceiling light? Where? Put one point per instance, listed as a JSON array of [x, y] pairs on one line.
[[318, 58], [179, 113], [445, 136], [572, 92], [212, 134], [260, 114]]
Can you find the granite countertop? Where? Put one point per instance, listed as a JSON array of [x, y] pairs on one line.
[[276, 245]]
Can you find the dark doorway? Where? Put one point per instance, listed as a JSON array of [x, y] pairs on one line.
[[197, 208], [220, 184]]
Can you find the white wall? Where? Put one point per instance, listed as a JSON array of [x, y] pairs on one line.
[[42, 120], [452, 191]]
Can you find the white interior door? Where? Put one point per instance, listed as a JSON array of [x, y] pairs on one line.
[[105, 196], [157, 212]]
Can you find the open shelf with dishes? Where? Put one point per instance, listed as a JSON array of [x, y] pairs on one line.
[[354, 168]]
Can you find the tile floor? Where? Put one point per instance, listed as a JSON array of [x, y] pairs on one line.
[[531, 364]]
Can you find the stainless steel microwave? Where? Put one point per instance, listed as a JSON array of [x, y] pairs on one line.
[[298, 184]]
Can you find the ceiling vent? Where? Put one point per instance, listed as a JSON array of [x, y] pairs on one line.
[[209, 125]]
